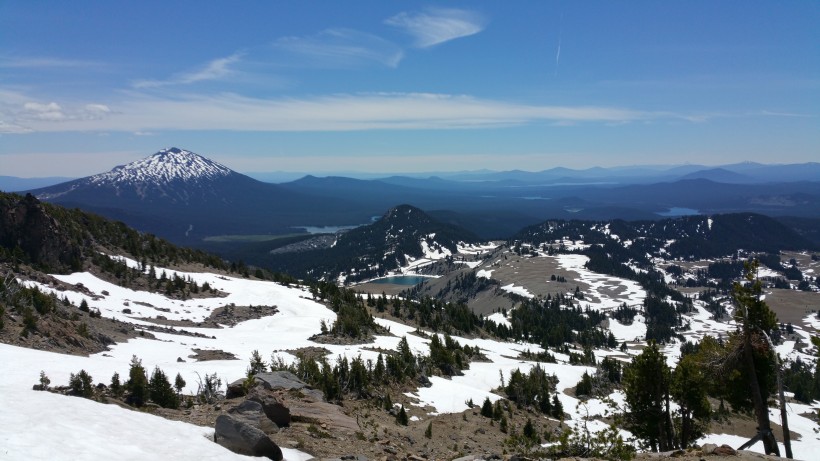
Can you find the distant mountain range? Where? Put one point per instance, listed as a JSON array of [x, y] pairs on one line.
[[186, 198]]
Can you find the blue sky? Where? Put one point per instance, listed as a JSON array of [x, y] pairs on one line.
[[385, 86]]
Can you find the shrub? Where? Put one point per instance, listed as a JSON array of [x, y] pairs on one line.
[[81, 384]]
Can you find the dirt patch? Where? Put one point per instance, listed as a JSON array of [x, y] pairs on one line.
[[203, 355], [792, 306]]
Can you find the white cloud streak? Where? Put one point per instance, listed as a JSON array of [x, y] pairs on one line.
[[44, 62], [438, 25], [217, 69], [345, 112], [340, 48]]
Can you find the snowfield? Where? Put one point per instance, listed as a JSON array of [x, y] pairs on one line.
[[41, 425]]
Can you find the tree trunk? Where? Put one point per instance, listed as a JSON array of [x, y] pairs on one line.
[[761, 409], [787, 439]]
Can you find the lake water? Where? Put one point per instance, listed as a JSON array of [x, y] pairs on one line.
[[333, 229], [676, 211], [407, 280], [324, 229]]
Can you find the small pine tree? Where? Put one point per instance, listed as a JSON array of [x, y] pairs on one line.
[[497, 411], [401, 417], [487, 408], [557, 408], [137, 384], [529, 431], [29, 321], [429, 431], [84, 305], [257, 365], [161, 391], [116, 386], [44, 381], [503, 424], [179, 384]]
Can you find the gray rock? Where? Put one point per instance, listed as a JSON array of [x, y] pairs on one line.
[[274, 408], [253, 413], [280, 380], [241, 437], [708, 448], [724, 450], [236, 389]]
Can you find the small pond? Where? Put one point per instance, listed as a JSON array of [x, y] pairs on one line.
[[407, 280]]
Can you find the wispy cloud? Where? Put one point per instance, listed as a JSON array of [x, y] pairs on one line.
[[215, 70], [7, 62], [340, 48], [347, 112], [11, 128], [438, 25]]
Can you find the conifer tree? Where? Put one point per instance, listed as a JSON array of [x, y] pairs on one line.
[[179, 384], [646, 385], [161, 391], [401, 417], [487, 408], [137, 384]]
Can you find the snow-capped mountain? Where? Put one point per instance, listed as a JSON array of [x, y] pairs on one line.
[[166, 166], [183, 196], [170, 174]]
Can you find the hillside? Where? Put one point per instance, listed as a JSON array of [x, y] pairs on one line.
[[688, 237], [403, 236]]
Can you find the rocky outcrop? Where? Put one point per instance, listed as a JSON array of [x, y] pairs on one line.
[[273, 407], [240, 436], [27, 225]]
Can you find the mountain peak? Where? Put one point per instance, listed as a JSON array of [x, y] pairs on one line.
[[166, 166]]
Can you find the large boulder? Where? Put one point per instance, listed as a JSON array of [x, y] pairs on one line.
[[241, 437], [279, 380], [253, 413], [273, 407]]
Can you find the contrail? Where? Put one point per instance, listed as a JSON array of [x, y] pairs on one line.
[[560, 37]]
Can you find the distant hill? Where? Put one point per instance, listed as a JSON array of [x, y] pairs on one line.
[[15, 184], [54, 239], [688, 237], [719, 175], [184, 197], [403, 234]]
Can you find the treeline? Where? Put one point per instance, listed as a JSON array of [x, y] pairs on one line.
[[553, 322], [366, 379], [138, 389]]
